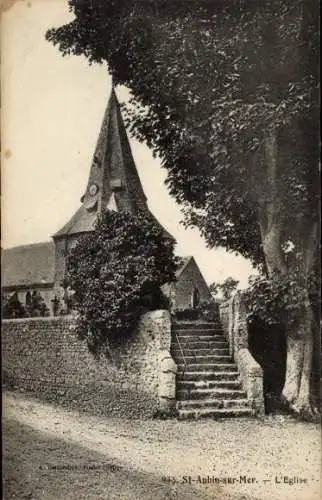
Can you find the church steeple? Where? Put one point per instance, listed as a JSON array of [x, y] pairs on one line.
[[113, 179], [113, 184], [113, 172]]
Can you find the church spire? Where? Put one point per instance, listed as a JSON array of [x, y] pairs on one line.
[[112, 82], [113, 180], [113, 167]]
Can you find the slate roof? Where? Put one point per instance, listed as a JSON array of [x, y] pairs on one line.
[[183, 264], [81, 222], [28, 265]]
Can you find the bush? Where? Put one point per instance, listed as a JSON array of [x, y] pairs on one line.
[[12, 307], [116, 273], [37, 306]]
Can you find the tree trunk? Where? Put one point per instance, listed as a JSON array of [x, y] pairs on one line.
[[299, 341], [272, 247], [299, 335], [270, 209]]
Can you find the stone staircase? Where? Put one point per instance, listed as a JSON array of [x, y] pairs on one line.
[[208, 383]]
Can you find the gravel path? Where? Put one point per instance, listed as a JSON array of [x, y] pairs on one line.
[[255, 455]]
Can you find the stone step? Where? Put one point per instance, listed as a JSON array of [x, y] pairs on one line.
[[212, 403], [206, 367], [198, 333], [200, 342], [200, 352], [207, 359], [194, 325], [232, 374], [192, 343], [216, 393], [208, 384], [215, 413], [190, 337]]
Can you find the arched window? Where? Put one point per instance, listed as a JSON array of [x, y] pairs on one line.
[[28, 299]]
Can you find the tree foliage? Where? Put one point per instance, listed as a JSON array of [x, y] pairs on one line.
[[278, 300], [116, 272], [227, 287], [213, 287], [208, 80], [11, 307]]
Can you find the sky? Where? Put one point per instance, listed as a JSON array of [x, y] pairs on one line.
[[52, 108]]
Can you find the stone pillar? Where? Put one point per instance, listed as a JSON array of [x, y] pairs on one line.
[[240, 329], [167, 382]]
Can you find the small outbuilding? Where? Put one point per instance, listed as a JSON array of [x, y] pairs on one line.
[[190, 288]]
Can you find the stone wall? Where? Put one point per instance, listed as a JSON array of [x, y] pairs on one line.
[[43, 356], [234, 322]]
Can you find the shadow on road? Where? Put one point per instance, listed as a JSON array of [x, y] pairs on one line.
[[38, 467]]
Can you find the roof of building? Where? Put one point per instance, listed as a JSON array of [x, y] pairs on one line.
[[81, 222], [28, 265], [184, 261], [184, 264], [84, 221]]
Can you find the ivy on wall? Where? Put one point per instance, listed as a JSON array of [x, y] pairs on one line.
[[116, 273]]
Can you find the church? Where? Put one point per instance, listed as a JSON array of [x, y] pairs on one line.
[[113, 184]]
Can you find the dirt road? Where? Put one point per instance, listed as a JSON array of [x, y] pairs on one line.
[[51, 453]]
